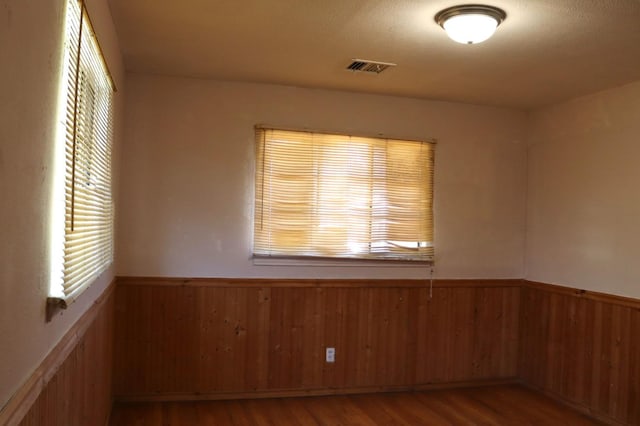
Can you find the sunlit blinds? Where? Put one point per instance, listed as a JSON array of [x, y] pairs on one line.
[[336, 196], [88, 246]]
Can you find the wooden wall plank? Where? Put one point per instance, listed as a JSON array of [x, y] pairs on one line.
[[633, 405], [582, 349], [245, 337]]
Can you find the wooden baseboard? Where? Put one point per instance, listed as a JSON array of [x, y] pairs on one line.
[[587, 411], [295, 393], [21, 402]]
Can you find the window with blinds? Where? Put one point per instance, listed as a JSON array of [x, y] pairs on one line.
[[335, 196], [86, 116]]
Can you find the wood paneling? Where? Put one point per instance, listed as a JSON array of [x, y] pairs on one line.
[[213, 338], [583, 348], [183, 337], [72, 386], [494, 405]]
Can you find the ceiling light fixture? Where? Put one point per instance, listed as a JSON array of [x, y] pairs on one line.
[[470, 23]]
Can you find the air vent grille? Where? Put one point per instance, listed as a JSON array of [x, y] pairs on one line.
[[363, 65]]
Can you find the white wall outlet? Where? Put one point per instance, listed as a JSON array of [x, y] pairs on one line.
[[331, 355]]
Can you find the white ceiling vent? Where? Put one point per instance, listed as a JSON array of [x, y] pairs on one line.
[[363, 65]]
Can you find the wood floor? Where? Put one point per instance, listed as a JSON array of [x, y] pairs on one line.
[[494, 405]]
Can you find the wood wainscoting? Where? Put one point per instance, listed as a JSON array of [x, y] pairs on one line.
[[583, 348], [72, 386], [222, 338]]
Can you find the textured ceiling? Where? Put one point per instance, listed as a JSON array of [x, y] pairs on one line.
[[544, 52]]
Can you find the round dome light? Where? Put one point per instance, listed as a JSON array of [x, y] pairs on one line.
[[470, 24]]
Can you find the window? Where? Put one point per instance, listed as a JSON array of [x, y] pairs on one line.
[[336, 196], [83, 188]]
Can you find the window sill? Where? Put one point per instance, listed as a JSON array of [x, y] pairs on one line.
[[324, 262]]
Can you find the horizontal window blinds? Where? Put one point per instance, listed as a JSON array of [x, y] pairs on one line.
[[88, 238], [336, 196]]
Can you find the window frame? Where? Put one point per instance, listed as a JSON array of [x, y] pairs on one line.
[[261, 258]]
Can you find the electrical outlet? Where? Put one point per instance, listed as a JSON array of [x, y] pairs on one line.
[[331, 355]]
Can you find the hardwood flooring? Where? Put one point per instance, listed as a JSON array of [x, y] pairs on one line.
[[492, 405]]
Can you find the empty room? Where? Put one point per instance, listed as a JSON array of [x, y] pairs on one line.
[[305, 212]]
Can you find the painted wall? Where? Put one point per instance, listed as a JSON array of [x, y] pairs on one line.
[[583, 196], [188, 168], [30, 56]]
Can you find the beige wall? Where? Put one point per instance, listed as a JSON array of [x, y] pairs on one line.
[[583, 215], [187, 176], [30, 56]]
